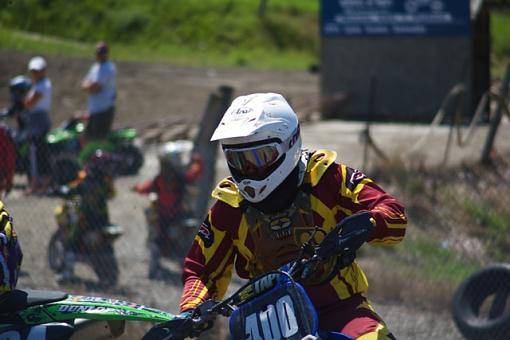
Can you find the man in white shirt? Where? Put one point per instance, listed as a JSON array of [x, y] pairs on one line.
[[100, 85], [36, 124]]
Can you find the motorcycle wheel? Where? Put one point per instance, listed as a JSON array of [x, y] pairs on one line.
[[479, 304], [56, 252], [64, 169], [105, 265], [132, 159]]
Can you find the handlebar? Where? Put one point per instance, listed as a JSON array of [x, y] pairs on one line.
[[191, 324]]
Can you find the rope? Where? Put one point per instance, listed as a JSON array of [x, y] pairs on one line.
[[455, 125]]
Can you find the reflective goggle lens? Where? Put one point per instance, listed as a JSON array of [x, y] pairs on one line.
[[253, 162]]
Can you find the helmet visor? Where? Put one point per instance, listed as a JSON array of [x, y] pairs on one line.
[[253, 162]]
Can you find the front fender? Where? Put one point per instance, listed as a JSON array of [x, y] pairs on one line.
[[92, 308]]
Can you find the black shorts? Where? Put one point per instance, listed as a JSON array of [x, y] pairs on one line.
[[100, 124]]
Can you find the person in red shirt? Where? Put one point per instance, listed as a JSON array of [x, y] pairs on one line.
[[277, 196], [169, 207], [8, 160]]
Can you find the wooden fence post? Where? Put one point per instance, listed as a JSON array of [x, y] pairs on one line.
[[217, 104]]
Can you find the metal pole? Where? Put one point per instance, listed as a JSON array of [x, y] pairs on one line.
[[489, 142], [366, 131]]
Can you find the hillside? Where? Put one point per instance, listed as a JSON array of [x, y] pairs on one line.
[[217, 32], [187, 32]]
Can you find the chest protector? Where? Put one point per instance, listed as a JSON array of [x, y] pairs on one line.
[[278, 237]]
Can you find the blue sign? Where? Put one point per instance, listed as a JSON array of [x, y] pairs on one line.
[[394, 17]]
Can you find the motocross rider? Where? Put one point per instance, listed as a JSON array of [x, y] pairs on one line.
[[276, 195], [94, 186], [8, 160], [10, 254], [169, 186]]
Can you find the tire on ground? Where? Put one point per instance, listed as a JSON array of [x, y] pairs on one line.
[[492, 282], [105, 266], [64, 169], [132, 159], [56, 252]]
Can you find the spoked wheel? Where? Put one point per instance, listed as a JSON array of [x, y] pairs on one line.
[[105, 266], [64, 169], [132, 159], [56, 252], [481, 306]]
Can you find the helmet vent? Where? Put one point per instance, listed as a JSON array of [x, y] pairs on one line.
[[250, 191]]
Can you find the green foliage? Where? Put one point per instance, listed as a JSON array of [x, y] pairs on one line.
[[500, 40], [436, 262], [213, 25], [494, 225]]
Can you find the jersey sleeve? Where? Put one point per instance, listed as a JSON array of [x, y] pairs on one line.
[[208, 265], [7, 149], [147, 186], [360, 193]]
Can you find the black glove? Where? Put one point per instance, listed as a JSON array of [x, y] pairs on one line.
[[346, 238], [187, 324]]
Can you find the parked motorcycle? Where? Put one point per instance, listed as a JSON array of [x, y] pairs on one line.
[[64, 141], [93, 246], [273, 305], [52, 315]]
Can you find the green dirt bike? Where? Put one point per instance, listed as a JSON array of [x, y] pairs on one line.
[[65, 141], [64, 147], [37, 314], [271, 306]]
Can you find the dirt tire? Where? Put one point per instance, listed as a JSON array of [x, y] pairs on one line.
[[490, 282], [105, 266], [56, 252], [64, 169], [132, 159]]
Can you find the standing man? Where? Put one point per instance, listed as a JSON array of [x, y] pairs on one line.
[[99, 83], [36, 123]]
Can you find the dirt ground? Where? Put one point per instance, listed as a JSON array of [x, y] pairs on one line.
[[149, 93]]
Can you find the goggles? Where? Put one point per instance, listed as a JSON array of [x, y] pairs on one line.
[[254, 162]]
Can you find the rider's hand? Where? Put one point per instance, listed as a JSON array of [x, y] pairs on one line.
[[346, 238], [205, 318]]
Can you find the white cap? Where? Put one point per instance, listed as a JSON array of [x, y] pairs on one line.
[[37, 64]]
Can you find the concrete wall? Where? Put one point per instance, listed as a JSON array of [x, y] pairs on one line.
[[413, 75]]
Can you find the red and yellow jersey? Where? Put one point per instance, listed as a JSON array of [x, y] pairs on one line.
[[232, 236], [10, 253]]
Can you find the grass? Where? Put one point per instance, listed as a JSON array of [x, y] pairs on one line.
[[458, 223], [192, 32], [256, 58], [216, 33], [500, 39]]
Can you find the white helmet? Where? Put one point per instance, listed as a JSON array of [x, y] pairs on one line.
[[259, 135], [37, 64], [175, 154]]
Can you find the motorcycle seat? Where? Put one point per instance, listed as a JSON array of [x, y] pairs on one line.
[[21, 299]]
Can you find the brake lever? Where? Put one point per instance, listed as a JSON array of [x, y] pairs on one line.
[[308, 267]]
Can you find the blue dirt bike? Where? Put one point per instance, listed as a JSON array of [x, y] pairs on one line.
[[271, 306]]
